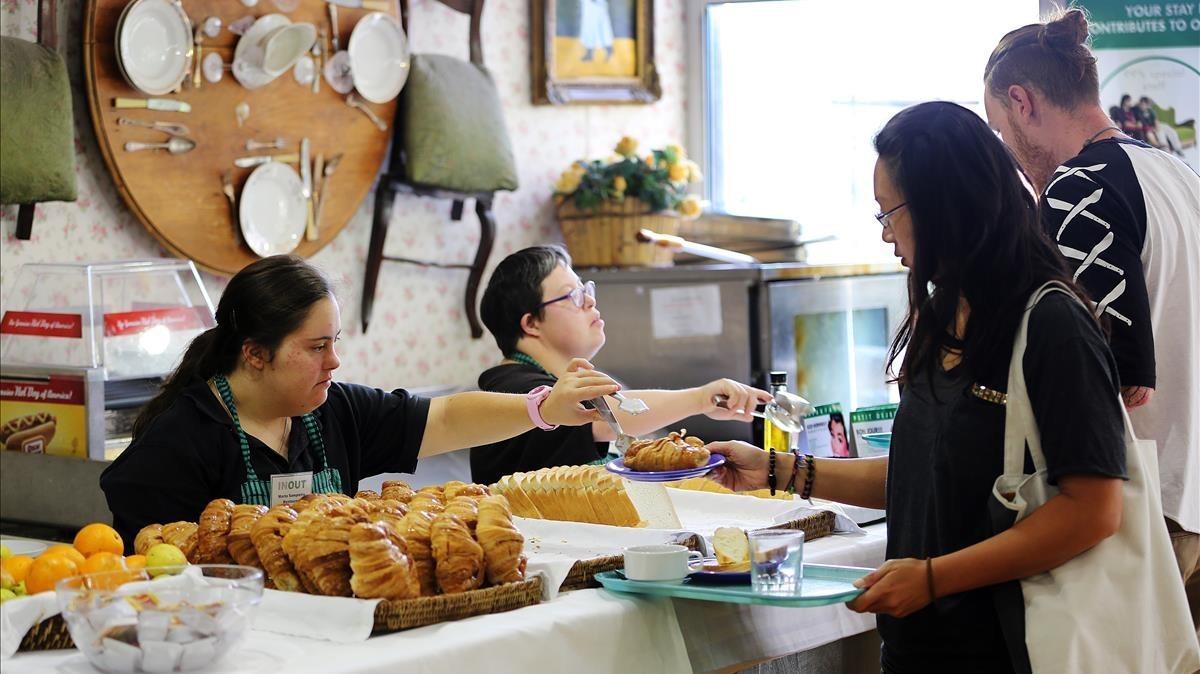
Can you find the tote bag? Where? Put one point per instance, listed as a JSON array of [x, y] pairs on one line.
[[1118, 607]]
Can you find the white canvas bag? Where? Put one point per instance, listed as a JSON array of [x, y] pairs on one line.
[[1118, 607]]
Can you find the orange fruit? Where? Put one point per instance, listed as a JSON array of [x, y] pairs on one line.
[[18, 567], [108, 564], [135, 562], [48, 570], [64, 549], [99, 537]]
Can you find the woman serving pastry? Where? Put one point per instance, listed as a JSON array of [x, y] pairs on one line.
[[252, 413]]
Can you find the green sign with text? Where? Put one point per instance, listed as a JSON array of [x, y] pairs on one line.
[[1135, 25]]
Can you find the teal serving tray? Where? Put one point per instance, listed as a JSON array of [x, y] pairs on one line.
[[823, 585]]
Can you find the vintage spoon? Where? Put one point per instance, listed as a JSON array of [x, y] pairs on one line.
[[166, 127], [175, 145]]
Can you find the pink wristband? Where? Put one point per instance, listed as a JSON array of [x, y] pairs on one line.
[[533, 404]]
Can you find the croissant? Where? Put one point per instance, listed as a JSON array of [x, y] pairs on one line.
[[380, 563], [267, 534], [148, 537], [182, 535], [458, 559], [212, 542], [324, 554], [417, 526], [674, 452], [367, 494], [501, 542], [427, 502], [466, 509], [298, 533], [241, 548], [389, 511], [454, 488], [396, 490]]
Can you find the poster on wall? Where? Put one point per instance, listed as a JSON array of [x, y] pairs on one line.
[[1148, 57]]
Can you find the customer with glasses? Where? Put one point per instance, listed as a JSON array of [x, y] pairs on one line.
[[543, 316]]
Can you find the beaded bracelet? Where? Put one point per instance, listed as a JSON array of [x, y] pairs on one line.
[[791, 485], [771, 472], [810, 474]]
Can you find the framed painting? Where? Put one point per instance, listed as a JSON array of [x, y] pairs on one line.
[[593, 51]]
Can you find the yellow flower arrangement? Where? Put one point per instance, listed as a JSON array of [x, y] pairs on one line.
[[660, 179]]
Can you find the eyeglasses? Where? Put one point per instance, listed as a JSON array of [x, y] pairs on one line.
[[885, 218], [576, 296]]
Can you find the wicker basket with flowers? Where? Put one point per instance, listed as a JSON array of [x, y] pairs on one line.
[[602, 204]]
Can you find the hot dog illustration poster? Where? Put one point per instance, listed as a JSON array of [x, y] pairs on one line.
[[43, 416]]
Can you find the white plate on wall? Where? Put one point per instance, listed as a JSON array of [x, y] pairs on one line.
[[378, 57], [154, 45], [272, 210]]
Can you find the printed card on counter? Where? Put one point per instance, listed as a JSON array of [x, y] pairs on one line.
[[877, 419], [825, 433]]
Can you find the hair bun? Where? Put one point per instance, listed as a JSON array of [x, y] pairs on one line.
[[1067, 31]]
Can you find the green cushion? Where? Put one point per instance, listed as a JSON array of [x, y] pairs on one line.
[[37, 136], [454, 135]]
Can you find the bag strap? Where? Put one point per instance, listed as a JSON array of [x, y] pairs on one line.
[[1020, 424]]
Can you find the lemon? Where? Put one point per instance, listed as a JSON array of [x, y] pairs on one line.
[[5, 553], [163, 555], [5, 595]]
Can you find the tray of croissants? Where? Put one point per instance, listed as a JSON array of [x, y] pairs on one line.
[[439, 553]]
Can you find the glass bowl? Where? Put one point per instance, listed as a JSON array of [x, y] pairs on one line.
[[186, 618]]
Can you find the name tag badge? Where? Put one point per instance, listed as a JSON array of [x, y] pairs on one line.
[[290, 487]]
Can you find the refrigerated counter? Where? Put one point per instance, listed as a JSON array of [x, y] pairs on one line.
[[828, 327]]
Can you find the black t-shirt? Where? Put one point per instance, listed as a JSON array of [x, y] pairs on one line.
[[190, 455], [948, 449], [1095, 211], [563, 446]]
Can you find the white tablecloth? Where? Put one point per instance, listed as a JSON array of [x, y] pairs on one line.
[[579, 632]]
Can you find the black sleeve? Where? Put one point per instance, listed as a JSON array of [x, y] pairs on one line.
[[1100, 227], [1072, 385], [157, 480], [390, 427]]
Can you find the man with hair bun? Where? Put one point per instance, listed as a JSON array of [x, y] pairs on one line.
[[1127, 218]]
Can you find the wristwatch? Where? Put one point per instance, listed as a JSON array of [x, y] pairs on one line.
[[533, 403]]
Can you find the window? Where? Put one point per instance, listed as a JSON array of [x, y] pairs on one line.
[[792, 93]]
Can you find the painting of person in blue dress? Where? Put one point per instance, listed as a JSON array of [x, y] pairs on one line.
[[595, 38], [595, 28]]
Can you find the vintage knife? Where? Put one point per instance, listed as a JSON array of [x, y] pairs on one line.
[[152, 103], [306, 179]]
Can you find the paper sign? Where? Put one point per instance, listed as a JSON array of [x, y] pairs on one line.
[[42, 324], [290, 487], [687, 311], [44, 417], [826, 433], [176, 318], [866, 420]]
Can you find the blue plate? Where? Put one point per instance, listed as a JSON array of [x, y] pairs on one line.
[[878, 440], [822, 585], [617, 467]]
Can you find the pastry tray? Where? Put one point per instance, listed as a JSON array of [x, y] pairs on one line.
[[822, 585]]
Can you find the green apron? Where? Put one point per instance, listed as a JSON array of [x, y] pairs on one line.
[[258, 491]]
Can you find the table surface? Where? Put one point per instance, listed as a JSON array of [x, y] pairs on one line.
[[179, 197], [582, 631]]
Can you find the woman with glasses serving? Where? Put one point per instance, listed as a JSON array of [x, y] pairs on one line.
[[543, 316]]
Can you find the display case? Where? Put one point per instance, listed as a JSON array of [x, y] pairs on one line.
[[84, 345]]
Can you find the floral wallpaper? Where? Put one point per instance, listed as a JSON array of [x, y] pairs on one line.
[[418, 335]]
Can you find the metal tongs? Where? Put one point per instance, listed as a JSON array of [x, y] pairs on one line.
[[624, 440], [787, 410]]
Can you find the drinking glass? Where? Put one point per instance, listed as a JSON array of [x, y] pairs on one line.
[[776, 561]]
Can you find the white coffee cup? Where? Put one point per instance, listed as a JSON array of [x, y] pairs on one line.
[[285, 45], [658, 562]]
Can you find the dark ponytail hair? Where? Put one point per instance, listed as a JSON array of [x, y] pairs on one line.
[[263, 303], [977, 235], [1051, 57]]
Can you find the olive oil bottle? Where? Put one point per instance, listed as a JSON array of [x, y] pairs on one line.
[[775, 437]]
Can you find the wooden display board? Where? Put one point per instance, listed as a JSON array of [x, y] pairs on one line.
[[179, 198]]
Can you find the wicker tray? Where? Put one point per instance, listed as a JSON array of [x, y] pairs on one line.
[[607, 236], [583, 574], [390, 616]]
